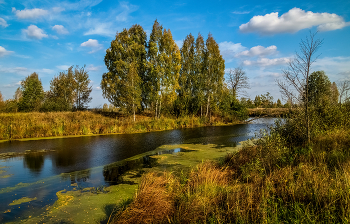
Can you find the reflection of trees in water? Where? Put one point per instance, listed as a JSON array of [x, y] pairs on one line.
[[34, 161], [77, 176], [113, 173]]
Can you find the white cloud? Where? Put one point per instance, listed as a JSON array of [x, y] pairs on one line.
[[264, 62], [126, 10], [63, 67], [258, 51], [30, 13], [294, 20], [4, 52], [93, 68], [230, 49], [34, 32], [240, 12], [335, 67], [93, 44], [104, 29], [98, 88], [23, 71], [60, 29], [3, 23]]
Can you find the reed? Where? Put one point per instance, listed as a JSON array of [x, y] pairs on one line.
[[54, 124]]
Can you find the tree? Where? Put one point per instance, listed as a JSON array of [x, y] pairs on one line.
[[187, 75], [237, 81], [199, 80], [214, 72], [32, 94], [164, 64], [257, 101], [81, 88], [125, 61], [62, 94], [133, 88], [18, 94], [296, 77], [2, 103], [279, 103], [344, 87], [319, 88], [266, 100]]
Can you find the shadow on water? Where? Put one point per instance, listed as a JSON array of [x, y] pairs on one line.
[[34, 161], [113, 173]]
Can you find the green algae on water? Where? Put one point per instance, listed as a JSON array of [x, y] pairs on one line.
[[22, 200]]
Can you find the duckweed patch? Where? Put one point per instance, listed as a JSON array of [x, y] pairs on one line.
[[22, 200]]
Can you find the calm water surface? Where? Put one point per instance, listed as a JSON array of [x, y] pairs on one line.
[[85, 160]]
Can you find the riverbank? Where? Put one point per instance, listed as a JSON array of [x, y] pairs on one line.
[[268, 112], [100, 204], [35, 126]]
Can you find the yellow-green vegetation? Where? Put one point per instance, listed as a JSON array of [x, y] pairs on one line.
[[91, 205], [268, 112], [53, 124], [285, 177], [22, 200], [3, 172]]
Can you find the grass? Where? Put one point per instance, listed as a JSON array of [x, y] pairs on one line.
[[14, 126], [271, 182]]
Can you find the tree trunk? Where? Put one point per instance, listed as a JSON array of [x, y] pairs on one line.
[[133, 108], [160, 106], [207, 106]]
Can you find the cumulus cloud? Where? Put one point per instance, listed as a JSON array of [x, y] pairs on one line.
[[30, 13], [258, 51], [294, 20], [3, 23], [34, 32], [60, 29], [229, 49], [264, 62], [93, 44], [4, 52]]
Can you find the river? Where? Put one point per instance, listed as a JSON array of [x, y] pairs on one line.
[[52, 165]]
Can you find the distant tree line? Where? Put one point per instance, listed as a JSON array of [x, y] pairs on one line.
[[157, 76], [69, 91]]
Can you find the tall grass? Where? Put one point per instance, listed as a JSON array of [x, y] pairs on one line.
[[38, 125], [275, 181]]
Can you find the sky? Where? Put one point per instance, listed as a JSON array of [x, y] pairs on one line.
[[261, 37]]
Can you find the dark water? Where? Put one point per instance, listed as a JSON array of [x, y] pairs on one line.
[[87, 161]]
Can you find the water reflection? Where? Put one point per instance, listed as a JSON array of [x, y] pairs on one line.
[[34, 161], [77, 176], [113, 173]]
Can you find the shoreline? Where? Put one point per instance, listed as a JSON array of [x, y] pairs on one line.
[[92, 135]]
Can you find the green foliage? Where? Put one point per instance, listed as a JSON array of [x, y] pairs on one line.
[[32, 94], [82, 89], [125, 61], [2, 103], [257, 101]]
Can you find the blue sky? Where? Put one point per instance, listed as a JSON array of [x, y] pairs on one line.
[[261, 36]]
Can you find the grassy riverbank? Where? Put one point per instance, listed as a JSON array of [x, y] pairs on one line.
[[283, 178], [15, 126], [266, 183]]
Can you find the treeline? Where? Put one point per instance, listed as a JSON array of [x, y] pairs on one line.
[[157, 76], [69, 91]]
